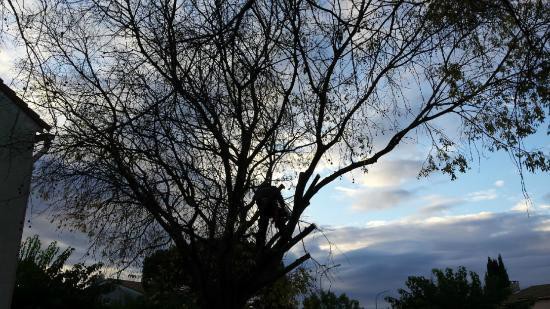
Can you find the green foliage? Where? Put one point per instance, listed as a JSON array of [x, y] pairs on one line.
[[284, 293], [166, 283], [460, 289], [329, 300], [164, 280], [41, 281]]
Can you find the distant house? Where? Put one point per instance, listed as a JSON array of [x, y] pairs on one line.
[[122, 292], [20, 129], [537, 296]]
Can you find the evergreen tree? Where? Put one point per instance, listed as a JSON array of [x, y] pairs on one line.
[[497, 282], [502, 272]]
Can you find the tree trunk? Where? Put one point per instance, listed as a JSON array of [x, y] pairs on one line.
[[229, 297]]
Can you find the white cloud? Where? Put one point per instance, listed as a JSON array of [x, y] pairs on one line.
[[345, 238], [484, 195], [445, 220], [390, 173], [344, 247], [376, 223], [527, 206], [8, 55], [348, 191], [523, 206], [499, 183], [544, 226]]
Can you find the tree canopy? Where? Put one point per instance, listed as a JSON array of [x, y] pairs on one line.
[[43, 279], [497, 284], [166, 282], [448, 289], [329, 300], [456, 289], [168, 114]]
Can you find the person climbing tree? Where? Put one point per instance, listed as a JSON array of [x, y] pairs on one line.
[[271, 205]]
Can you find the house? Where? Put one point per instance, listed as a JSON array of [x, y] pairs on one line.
[[20, 129], [122, 291], [537, 296]]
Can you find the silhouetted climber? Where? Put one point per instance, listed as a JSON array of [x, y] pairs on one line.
[[271, 205]]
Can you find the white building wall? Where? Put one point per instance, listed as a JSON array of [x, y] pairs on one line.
[[17, 132]]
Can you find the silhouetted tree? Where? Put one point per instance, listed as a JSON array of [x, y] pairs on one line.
[[460, 289], [497, 284], [286, 292], [42, 282], [329, 300], [454, 290], [169, 114], [166, 281]]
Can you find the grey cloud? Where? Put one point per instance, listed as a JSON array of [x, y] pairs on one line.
[[400, 249], [381, 257], [379, 199], [437, 208], [546, 197], [439, 205], [40, 224]]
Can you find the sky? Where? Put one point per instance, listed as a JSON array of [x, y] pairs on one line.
[[381, 227], [390, 224]]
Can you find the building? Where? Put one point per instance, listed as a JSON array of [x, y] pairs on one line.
[[20, 129], [122, 292], [536, 297]]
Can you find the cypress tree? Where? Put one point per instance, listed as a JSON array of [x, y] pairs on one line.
[[503, 274], [497, 282]]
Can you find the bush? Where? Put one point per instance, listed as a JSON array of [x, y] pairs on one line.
[[44, 280]]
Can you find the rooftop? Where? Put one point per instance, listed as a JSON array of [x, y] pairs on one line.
[[535, 292], [134, 285], [22, 105]]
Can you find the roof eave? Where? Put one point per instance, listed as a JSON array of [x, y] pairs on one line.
[[23, 106]]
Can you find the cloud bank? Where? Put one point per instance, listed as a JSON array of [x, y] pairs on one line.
[[380, 256]]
